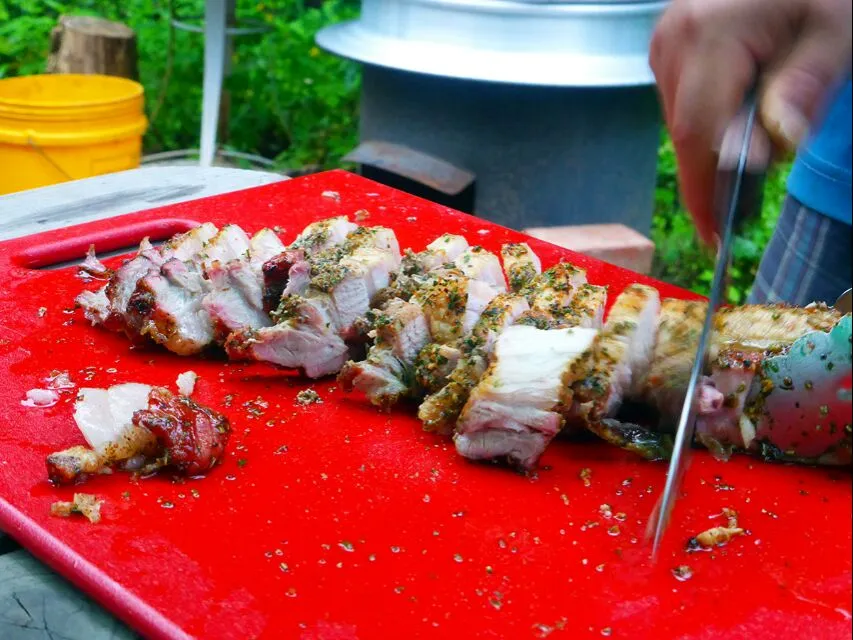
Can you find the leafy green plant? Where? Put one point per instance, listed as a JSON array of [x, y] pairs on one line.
[[295, 104], [679, 256]]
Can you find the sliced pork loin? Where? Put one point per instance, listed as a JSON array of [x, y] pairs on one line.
[[521, 265], [122, 284], [316, 238], [452, 299], [539, 364], [482, 266], [264, 246], [442, 311], [549, 298], [519, 405], [621, 354], [314, 321], [438, 412], [415, 267], [166, 306], [231, 243], [236, 287], [235, 300]]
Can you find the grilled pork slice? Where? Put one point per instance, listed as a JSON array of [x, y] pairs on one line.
[[587, 307], [263, 246], [231, 243], [438, 412], [235, 300], [386, 375], [554, 305], [768, 328], [482, 266], [441, 312], [519, 405], [723, 427], [415, 267], [122, 284], [314, 239], [140, 428], [521, 265], [621, 354], [312, 325], [166, 306], [550, 295]]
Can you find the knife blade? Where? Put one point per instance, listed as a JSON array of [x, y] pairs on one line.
[[743, 161]]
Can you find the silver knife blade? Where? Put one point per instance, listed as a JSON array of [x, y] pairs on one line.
[[736, 196]]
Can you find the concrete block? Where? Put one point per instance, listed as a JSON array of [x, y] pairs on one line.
[[613, 243]]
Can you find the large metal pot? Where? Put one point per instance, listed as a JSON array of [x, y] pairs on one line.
[[602, 43], [550, 105]]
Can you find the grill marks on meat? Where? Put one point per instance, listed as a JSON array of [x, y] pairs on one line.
[[141, 428]]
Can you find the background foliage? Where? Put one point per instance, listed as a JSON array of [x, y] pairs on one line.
[[297, 105]]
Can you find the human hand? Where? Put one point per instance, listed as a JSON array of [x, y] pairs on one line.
[[706, 54]]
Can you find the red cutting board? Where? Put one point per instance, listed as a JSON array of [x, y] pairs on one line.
[[338, 521]]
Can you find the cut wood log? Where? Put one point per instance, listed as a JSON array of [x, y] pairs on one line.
[[83, 44]]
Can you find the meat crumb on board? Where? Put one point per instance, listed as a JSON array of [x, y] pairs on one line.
[[186, 382], [307, 397], [718, 536], [84, 504]]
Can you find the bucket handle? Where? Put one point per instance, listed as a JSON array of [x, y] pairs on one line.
[[44, 155]]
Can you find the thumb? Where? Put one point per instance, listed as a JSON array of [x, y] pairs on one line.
[[796, 91]]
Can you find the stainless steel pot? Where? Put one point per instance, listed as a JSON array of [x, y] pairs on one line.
[[600, 43]]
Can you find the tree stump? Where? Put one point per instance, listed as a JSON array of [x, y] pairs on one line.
[[82, 44]]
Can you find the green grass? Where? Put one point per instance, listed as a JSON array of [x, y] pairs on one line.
[[297, 105]]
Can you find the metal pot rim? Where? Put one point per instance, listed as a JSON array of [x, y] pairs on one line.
[[350, 40]]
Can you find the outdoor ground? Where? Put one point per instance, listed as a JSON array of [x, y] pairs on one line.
[[299, 106]]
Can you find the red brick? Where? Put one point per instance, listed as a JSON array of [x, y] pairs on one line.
[[613, 243]]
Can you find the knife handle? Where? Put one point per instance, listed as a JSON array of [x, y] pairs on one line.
[[745, 154]]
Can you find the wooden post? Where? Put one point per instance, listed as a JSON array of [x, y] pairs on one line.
[[82, 44]]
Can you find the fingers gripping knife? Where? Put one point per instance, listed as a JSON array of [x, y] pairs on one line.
[[743, 161]]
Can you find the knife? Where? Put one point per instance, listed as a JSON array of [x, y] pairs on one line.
[[743, 161]]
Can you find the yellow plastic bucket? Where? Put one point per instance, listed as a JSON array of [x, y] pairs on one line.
[[66, 127]]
